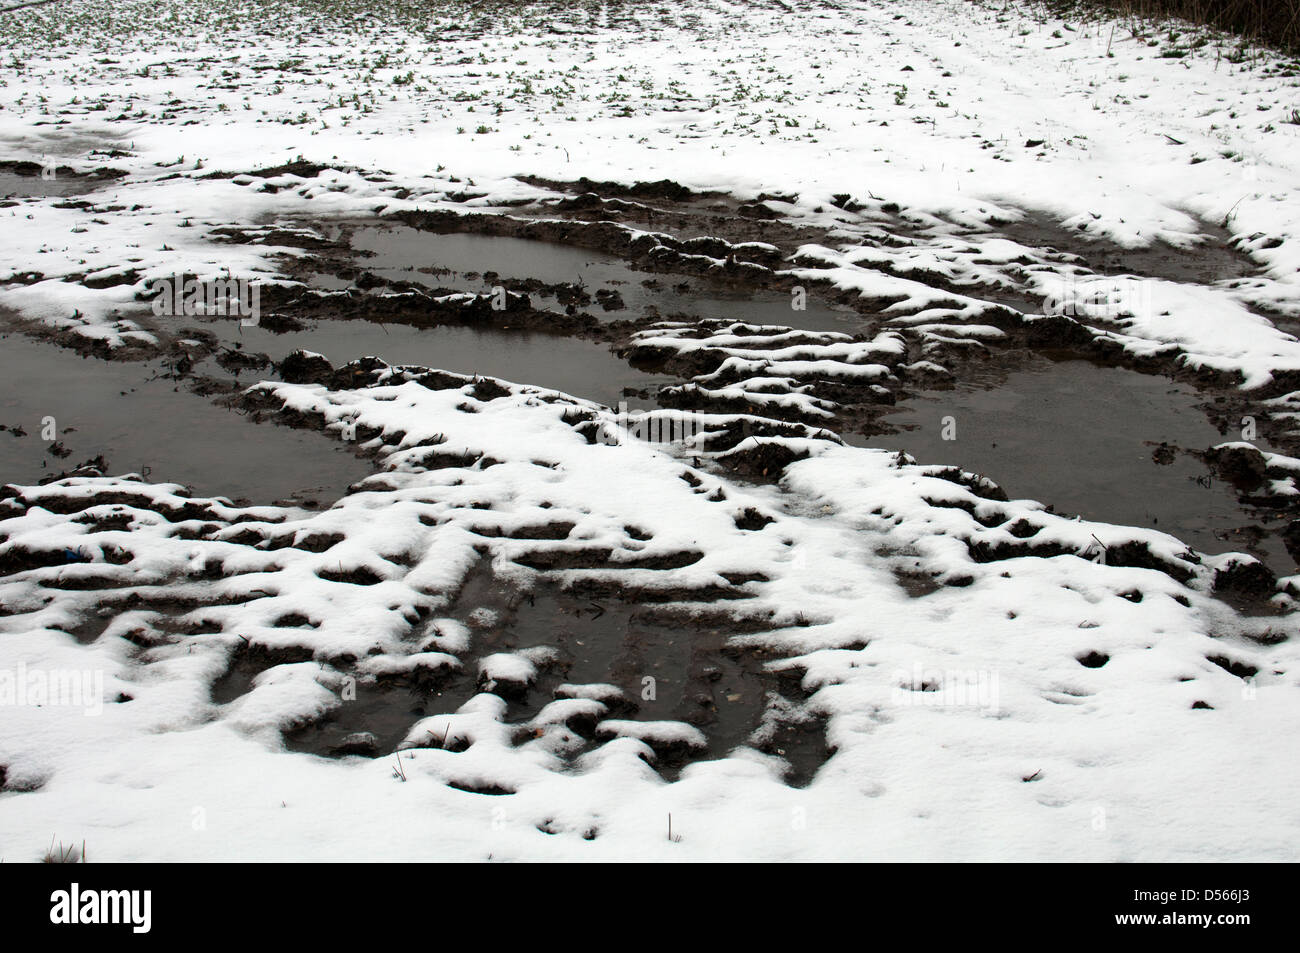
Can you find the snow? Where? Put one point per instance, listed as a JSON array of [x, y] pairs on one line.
[[1037, 615], [963, 722], [654, 732]]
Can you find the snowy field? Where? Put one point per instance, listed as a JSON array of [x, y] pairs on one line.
[[513, 620]]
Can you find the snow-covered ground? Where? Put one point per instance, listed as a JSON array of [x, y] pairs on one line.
[[1068, 690]]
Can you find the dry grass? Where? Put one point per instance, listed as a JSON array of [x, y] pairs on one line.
[[1273, 23], [65, 855]]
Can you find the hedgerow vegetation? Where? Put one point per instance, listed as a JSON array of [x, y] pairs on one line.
[[1273, 23]]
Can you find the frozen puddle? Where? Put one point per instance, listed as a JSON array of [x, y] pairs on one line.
[[1086, 439], [459, 261], [154, 427]]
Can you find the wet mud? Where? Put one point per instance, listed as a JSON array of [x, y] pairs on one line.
[[643, 668], [1212, 258], [1070, 427]]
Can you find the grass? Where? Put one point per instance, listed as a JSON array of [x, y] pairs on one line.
[[64, 855]]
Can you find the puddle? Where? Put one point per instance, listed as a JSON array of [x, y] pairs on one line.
[[666, 671], [458, 261], [110, 409], [33, 186], [581, 368], [21, 180], [1081, 437]]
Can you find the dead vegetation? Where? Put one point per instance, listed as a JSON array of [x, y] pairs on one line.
[[1273, 23]]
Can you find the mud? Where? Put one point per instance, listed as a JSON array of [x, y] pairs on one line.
[[1212, 259], [672, 672], [483, 249], [667, 206], [1093, 439], [567, 278]]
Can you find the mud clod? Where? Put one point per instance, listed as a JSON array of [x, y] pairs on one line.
[[1244, 466], [1245, 577], [303, 367]]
